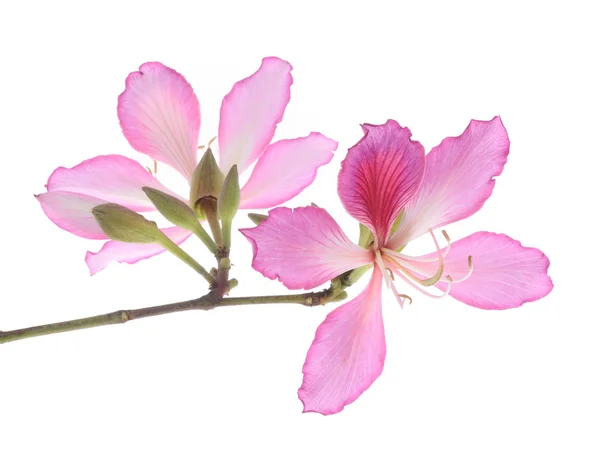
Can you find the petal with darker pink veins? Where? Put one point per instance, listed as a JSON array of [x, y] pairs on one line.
[[160, 116], [250, 113], [347, 354], [116, 251], [505, 273], [112, 178], [285, 169], [303, 248], [459, 178], [379, 176]]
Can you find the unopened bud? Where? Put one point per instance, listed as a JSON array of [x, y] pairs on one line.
[[206, 182], [173, 209], [122, 224], [257, 218], [229, 197], [366, 236]]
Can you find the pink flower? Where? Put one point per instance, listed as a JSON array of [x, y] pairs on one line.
[[387, 176], [160, 116]]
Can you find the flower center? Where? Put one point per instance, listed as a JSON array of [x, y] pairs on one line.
[[407, 268]]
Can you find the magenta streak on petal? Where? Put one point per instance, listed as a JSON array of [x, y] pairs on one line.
[[285, 169], [347, 354], [250, 113], [72, 212], [459, 178], [160, 116], [116, 251], [505, 273], [379, 175], [303, 248], [112, 178]]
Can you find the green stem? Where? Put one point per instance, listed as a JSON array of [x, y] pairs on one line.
[[200, 232], [209, 207], [207, 302], [172, 247]]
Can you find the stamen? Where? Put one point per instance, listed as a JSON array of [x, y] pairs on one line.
[[421, 290], [211, 141], [399, 259], [155, 167], [383, 268], [469, 273], [429, 259]]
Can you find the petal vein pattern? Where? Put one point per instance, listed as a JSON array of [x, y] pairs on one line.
[[250, 113], [347, 354], [160, 116], [459, 178], [505, 273], [379, 176], [112, 178], [303, 248]]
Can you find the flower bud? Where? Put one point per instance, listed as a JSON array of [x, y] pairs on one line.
[[229, 197], [206, 182], [173, 209], [257, 218], [122, 224]]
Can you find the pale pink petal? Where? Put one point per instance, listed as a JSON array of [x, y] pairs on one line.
[[347, 354], [251, 111], [379, 175], [303, 247], [116, 251], [459, 178], [286, 168], [72, 212], [112, 178], [505, 273], [160, 116]]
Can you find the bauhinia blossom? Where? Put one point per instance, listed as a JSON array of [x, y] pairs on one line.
[[159, 114], [388, 184]]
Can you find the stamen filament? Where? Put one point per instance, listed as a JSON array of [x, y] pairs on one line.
[[425, 282], [470, 271], [421, 290], [424, 259]]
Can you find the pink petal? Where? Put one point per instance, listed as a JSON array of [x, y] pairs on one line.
[[160, 116], [285, 169], [72, 212], [379, 175], [116, 251], [303, 247], [459, 178], [112, 178], [505, 273], [347, 354], [251, 111]]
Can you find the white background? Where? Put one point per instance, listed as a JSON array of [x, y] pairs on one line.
[[460, 384]]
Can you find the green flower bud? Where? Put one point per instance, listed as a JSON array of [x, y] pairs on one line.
[[229, 197], [257, 218], [173, 209], [366, 236], [122, 224], [207, 180]]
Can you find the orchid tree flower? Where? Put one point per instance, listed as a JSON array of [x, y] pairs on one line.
[[388, 184], [159, 114]]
